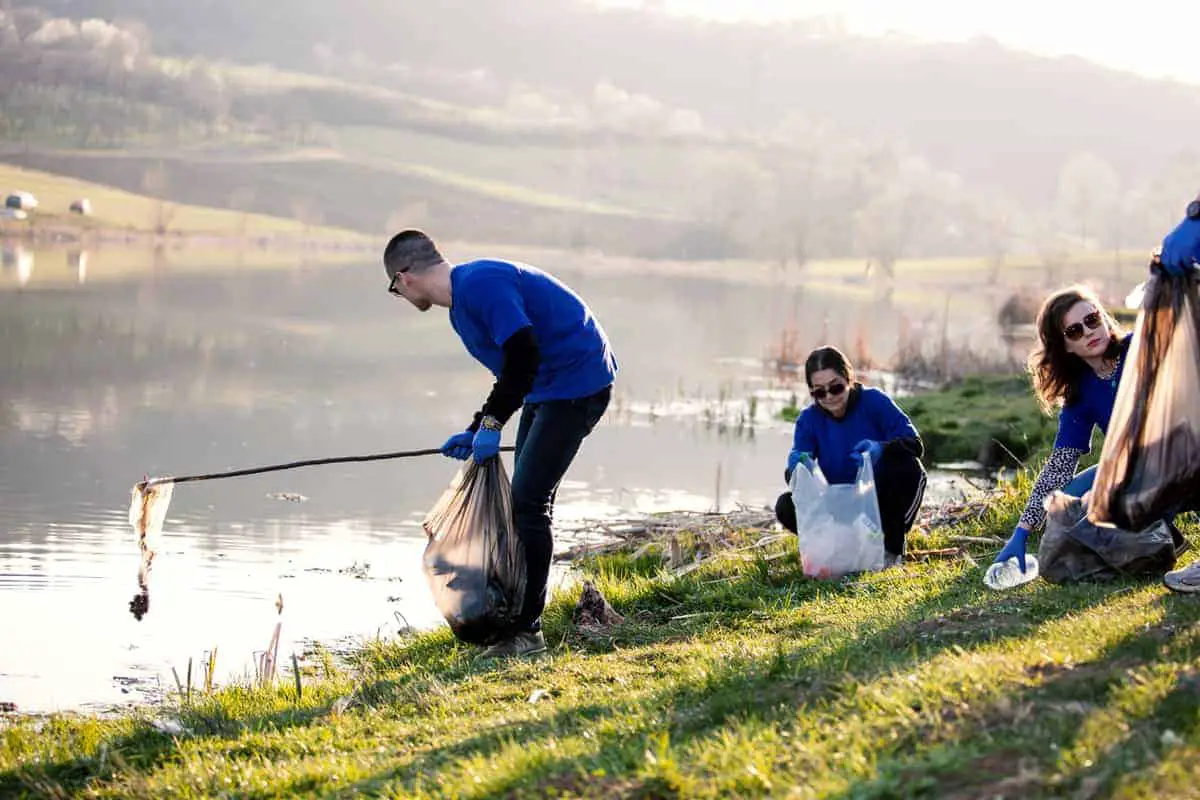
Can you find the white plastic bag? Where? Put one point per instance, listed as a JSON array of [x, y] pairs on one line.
[[838, 526]]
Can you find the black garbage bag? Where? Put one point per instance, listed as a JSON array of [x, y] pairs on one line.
[[1150, 463], [474, 562], [1073, 549]]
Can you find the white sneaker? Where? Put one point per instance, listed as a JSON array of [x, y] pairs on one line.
[[1186, 580]]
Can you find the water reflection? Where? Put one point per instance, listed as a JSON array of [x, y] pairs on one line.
[[18, 261], [77, 262]]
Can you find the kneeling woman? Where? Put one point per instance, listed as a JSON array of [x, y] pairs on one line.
[[847, 422], [1076, 367]]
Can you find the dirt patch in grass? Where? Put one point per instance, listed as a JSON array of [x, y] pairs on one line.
[[1002, 774], [575, 785], [962, 624]]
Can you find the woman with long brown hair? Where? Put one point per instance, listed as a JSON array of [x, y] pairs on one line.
[[1075, 367]]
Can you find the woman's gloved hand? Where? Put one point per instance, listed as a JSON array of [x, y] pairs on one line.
[[871, 448], [1015, 547], [797, 457]]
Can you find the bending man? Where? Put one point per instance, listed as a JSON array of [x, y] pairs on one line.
[[549, 354]]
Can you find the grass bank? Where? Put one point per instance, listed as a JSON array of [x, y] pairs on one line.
[[740, 678], [992, 419]]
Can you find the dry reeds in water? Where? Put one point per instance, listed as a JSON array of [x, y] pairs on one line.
[[268, 660]]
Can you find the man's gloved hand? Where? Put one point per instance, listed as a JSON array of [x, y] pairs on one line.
[[1015, 547], [458, 446], [486, 444], [796, 457], [1181, 247], [870, 447]]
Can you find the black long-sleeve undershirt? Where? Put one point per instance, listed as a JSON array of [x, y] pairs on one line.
[[517, 373], [905, 444]]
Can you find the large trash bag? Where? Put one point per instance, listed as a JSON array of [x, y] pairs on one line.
[[838, 525], [1073, 549], [1150, 463], [474, 562]]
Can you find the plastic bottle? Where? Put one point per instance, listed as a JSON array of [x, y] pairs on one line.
[[1007, 574]]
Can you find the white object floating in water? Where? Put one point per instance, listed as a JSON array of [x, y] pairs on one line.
[[289, 496], [1007, 574]]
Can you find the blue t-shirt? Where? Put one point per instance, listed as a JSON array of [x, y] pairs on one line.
[[1092, 406], [831, 441], [491, 300]]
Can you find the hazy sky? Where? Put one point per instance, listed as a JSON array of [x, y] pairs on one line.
[[1154, 37]]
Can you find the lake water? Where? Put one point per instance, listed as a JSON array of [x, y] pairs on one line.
[[162, 372]]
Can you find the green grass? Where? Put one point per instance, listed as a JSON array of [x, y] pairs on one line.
[[118, 209], [739, 679], [990, 419]]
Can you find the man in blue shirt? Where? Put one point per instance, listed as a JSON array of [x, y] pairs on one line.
[[548, 353]]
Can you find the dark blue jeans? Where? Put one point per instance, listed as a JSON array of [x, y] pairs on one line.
[[548, 437]]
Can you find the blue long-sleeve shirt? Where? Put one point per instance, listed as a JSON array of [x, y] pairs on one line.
[[870, 414]]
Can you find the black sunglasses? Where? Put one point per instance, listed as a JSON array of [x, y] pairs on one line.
[[1075, 330], [392, 285], [820, 392]]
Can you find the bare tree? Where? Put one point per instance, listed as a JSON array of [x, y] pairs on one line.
[[907, 202]]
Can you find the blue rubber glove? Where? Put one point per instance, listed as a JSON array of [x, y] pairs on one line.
[[486, 445], [871, 447], [794, 458], [458, 446], [1181, 248], [1015, 547]]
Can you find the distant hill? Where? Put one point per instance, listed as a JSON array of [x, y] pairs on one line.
[[786, 141]]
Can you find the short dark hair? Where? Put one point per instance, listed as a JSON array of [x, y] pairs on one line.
[[828, 357], [410, 251]]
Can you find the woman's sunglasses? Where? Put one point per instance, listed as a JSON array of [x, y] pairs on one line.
[[820, 392], [1075, 330]]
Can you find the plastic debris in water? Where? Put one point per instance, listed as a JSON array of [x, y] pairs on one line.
[[147, 513], [291, 497], [1007, 574]]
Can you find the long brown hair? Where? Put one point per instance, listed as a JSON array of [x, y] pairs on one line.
[[1056, 373]]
